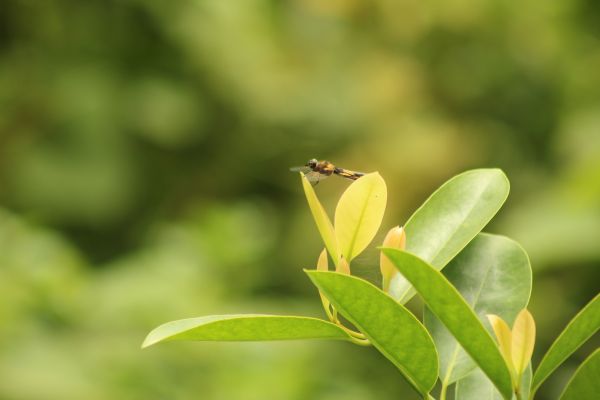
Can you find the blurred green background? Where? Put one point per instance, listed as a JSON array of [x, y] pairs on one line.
[[144, 155]]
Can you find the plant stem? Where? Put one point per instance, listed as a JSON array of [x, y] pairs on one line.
[[326, 308], [518, 394], [443, 391], [360, 342], [448, 374]]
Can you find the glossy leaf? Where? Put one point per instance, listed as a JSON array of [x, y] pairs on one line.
[[359, 213], [493, 275], [322, 220], [477, 386], [450, 219], [523, 340], [390, 327], [585, 324], [585, 383], [251, 327], [446, 303]]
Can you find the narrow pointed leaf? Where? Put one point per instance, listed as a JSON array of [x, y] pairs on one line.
[[359, 213], [323, 265], [251, 327], [523, 340], [477, 386], [493, 275], [390, 327], [585, 324], [322, 220], [503, 337], [585, 383], [446, 303], [451, 218]]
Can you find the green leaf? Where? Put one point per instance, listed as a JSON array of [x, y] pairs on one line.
[[250, 327], [446, 303], [585, 383], [493, 275], [322, 221], [359, 213], [585, 324], [390, 327], [450, 219], [477, 386]]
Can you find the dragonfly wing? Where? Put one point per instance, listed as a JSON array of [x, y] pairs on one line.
[[304, 169], [314, 177]]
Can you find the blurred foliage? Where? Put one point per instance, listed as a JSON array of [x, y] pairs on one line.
[[144, 154]]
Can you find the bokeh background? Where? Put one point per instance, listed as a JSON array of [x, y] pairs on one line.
[[144, 155]]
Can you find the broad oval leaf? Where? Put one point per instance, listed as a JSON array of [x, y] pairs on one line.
[[585, 324], [390, 327], [446, 303], [493, 275], [359, 213], [250, 327], [322, 220], [477, 386], [450, 218], [585, 383]]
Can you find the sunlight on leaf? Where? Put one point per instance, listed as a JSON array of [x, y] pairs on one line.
[[246, 327], [504, 337], [323, 265], [359, 213], [322, 220], [523, 341]]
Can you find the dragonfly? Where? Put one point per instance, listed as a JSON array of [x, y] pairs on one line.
[[315, 171]]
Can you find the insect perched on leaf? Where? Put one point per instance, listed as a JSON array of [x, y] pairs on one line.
[[315, 171]]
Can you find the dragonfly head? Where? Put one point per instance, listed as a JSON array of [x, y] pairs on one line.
[[312, 163]]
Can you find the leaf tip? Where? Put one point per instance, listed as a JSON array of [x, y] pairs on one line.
[[149, 341]]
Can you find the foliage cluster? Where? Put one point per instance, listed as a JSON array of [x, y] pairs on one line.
[[485, 286]]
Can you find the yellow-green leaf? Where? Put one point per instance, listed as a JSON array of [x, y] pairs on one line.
[[343, 267], [395, 239], [242, 328], [323, 265], [503, 336], [323, 222], [359, 213], [523, 340]]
